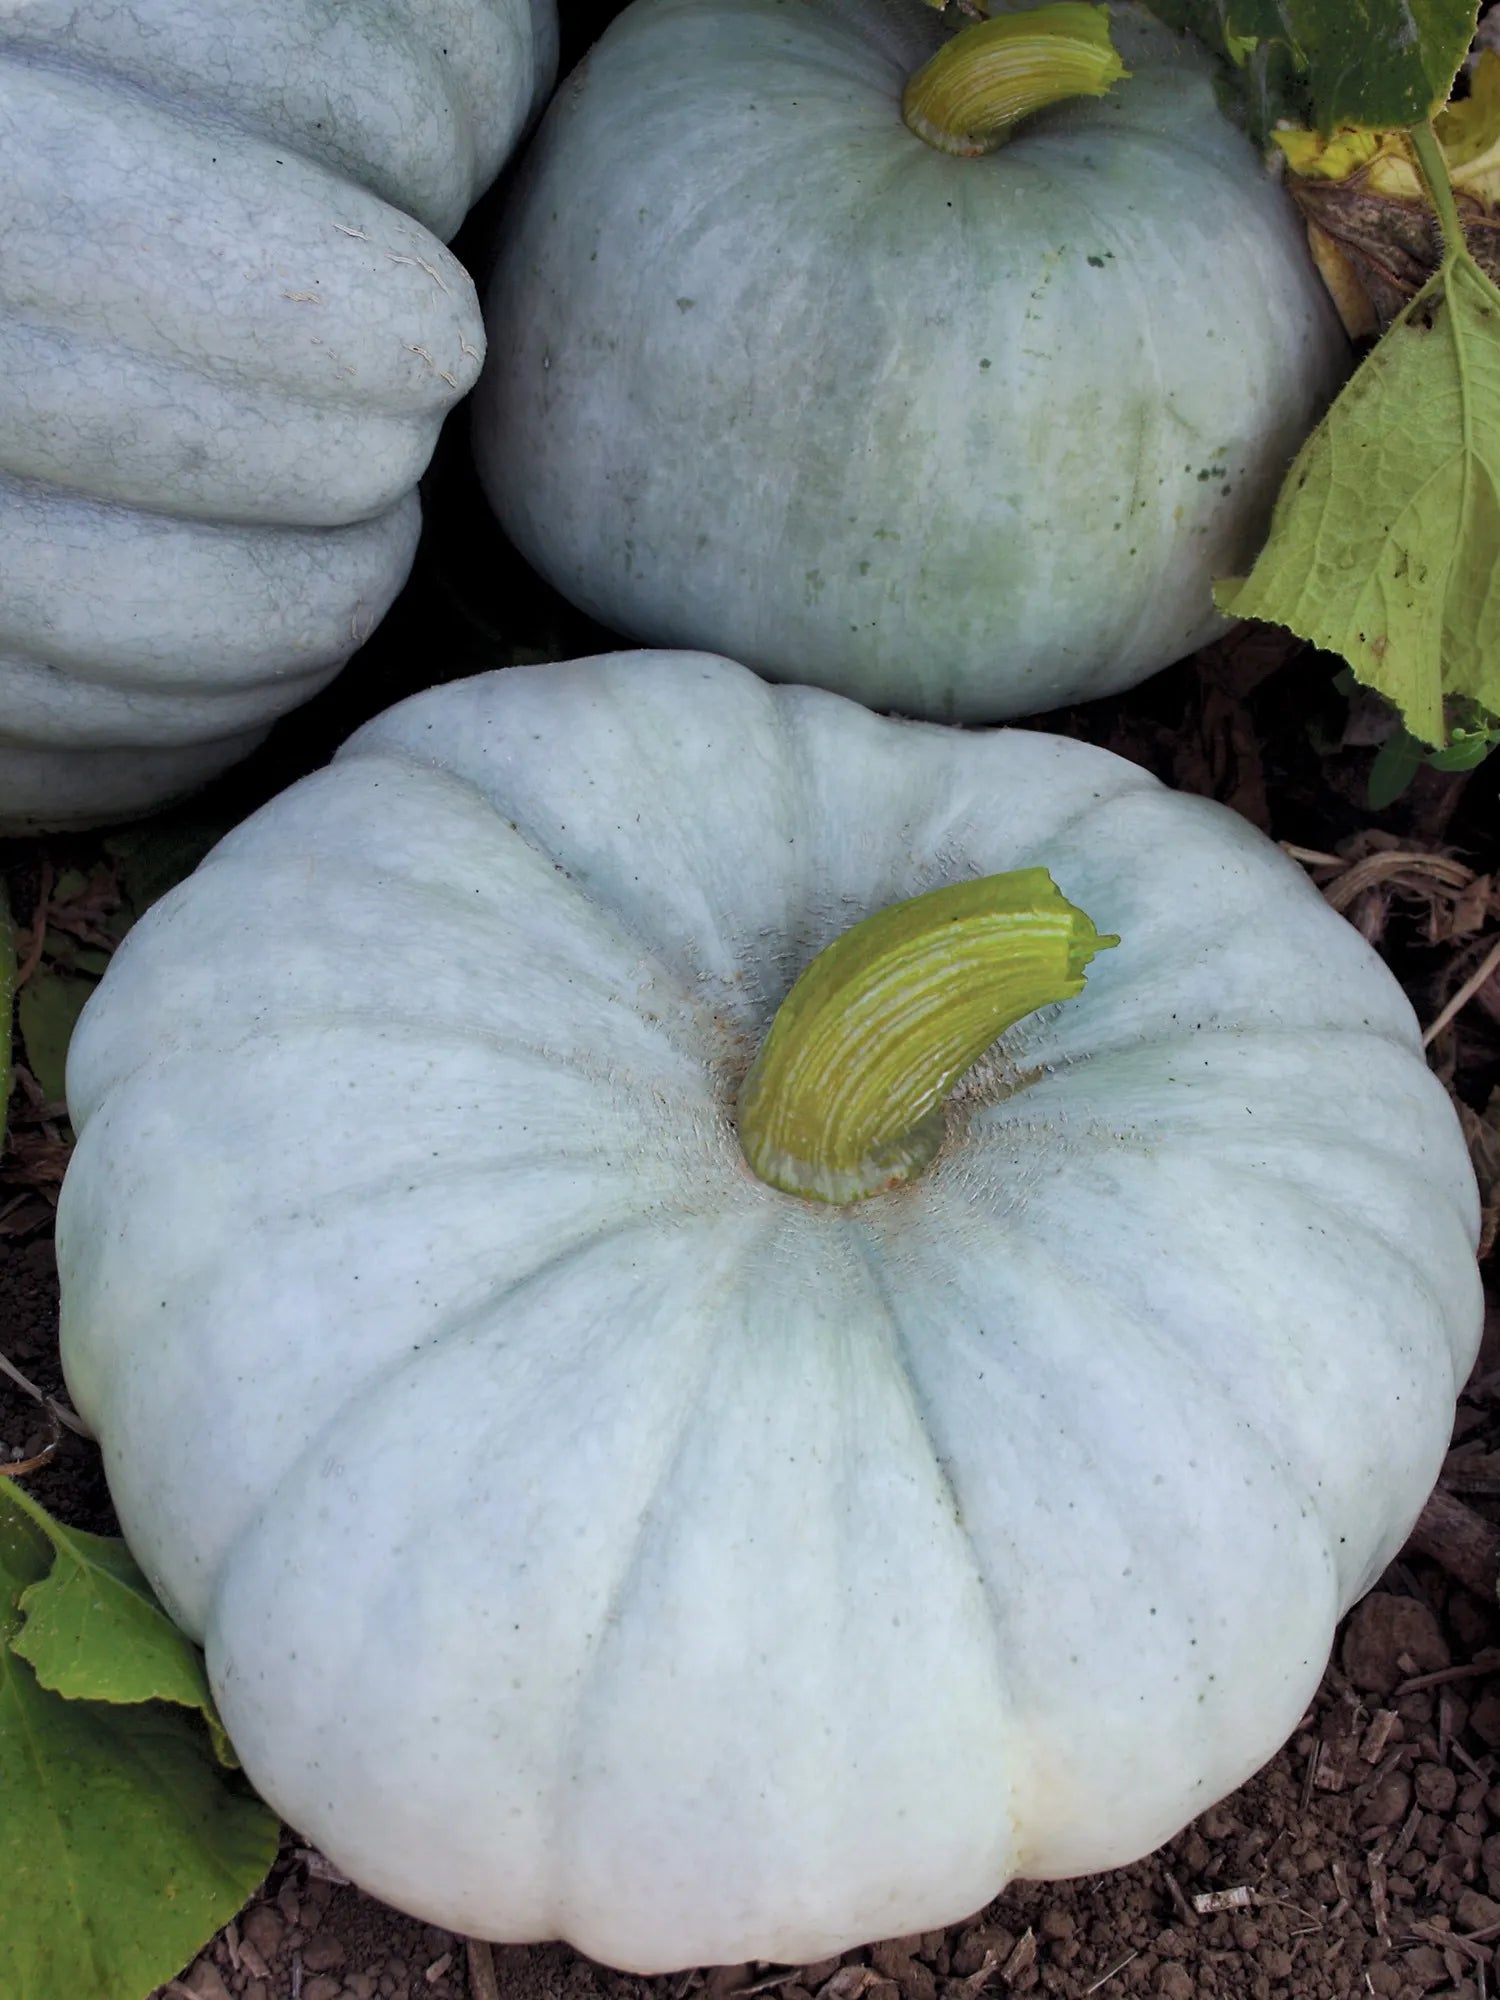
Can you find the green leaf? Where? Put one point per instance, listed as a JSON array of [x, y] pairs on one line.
[[48, 1009], [1364, 62], [1386, 535], [1395, 764], [1466, 751], [93, 1629], [124, 1845]]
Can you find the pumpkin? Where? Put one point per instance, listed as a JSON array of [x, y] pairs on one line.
[[229, 333], [593, 1534], [961, 437]]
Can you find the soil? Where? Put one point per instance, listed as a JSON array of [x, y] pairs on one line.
[[1365, 1858]]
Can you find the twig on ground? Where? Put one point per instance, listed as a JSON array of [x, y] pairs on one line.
[[53, 1408], [1468, 1548], [483, 1985], [1109, 1972], [1464, 995]]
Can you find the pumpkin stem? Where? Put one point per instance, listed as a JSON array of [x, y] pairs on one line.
[[969, 97], [846, 1097]]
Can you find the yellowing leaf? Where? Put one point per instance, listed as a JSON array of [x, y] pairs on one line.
[[1329, 158], [1386, 535], [1469, 129], [1468, 132]]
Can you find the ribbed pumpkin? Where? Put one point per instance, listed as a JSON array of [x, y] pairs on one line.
[[606, 1520], [229, 331], [959, 437]]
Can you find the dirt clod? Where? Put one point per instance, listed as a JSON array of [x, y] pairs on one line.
[[1390, 1639]]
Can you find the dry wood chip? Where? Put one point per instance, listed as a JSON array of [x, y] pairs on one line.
[[1380, 1906], [1180, 1902], [1021, 1959], [1485, 1662], [1328, 1767], [976, 1981], [252, 1961], [1309, 1777], [320, 1867], [1466, 1545], [437, 1968], [1211, 1901], [1455, 1941], [1382, 1722], [1407, 1834], [849, 1982], [483, 1985]]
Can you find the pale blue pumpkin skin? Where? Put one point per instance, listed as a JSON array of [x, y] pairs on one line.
[[772, 1576], [229, 332], [965, 438]]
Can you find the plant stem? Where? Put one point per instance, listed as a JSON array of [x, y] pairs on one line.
[[969, 97], [847, 1096], [1435, 173]]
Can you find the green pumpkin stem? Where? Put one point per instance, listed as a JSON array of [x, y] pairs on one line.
[[1429, 152], [846, 1097], [970, 96]]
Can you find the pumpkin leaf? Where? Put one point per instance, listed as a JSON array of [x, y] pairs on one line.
[[1386, 534], [47, 1010], [124, 1844], [94, 1631], [1361, 62]]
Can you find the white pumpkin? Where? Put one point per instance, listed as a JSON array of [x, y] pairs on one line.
[[228, 335], [960, 437], [589, 1539]]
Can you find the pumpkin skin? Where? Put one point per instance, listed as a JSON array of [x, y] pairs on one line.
[[214, 408], [589, 1540], [964, 438]]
